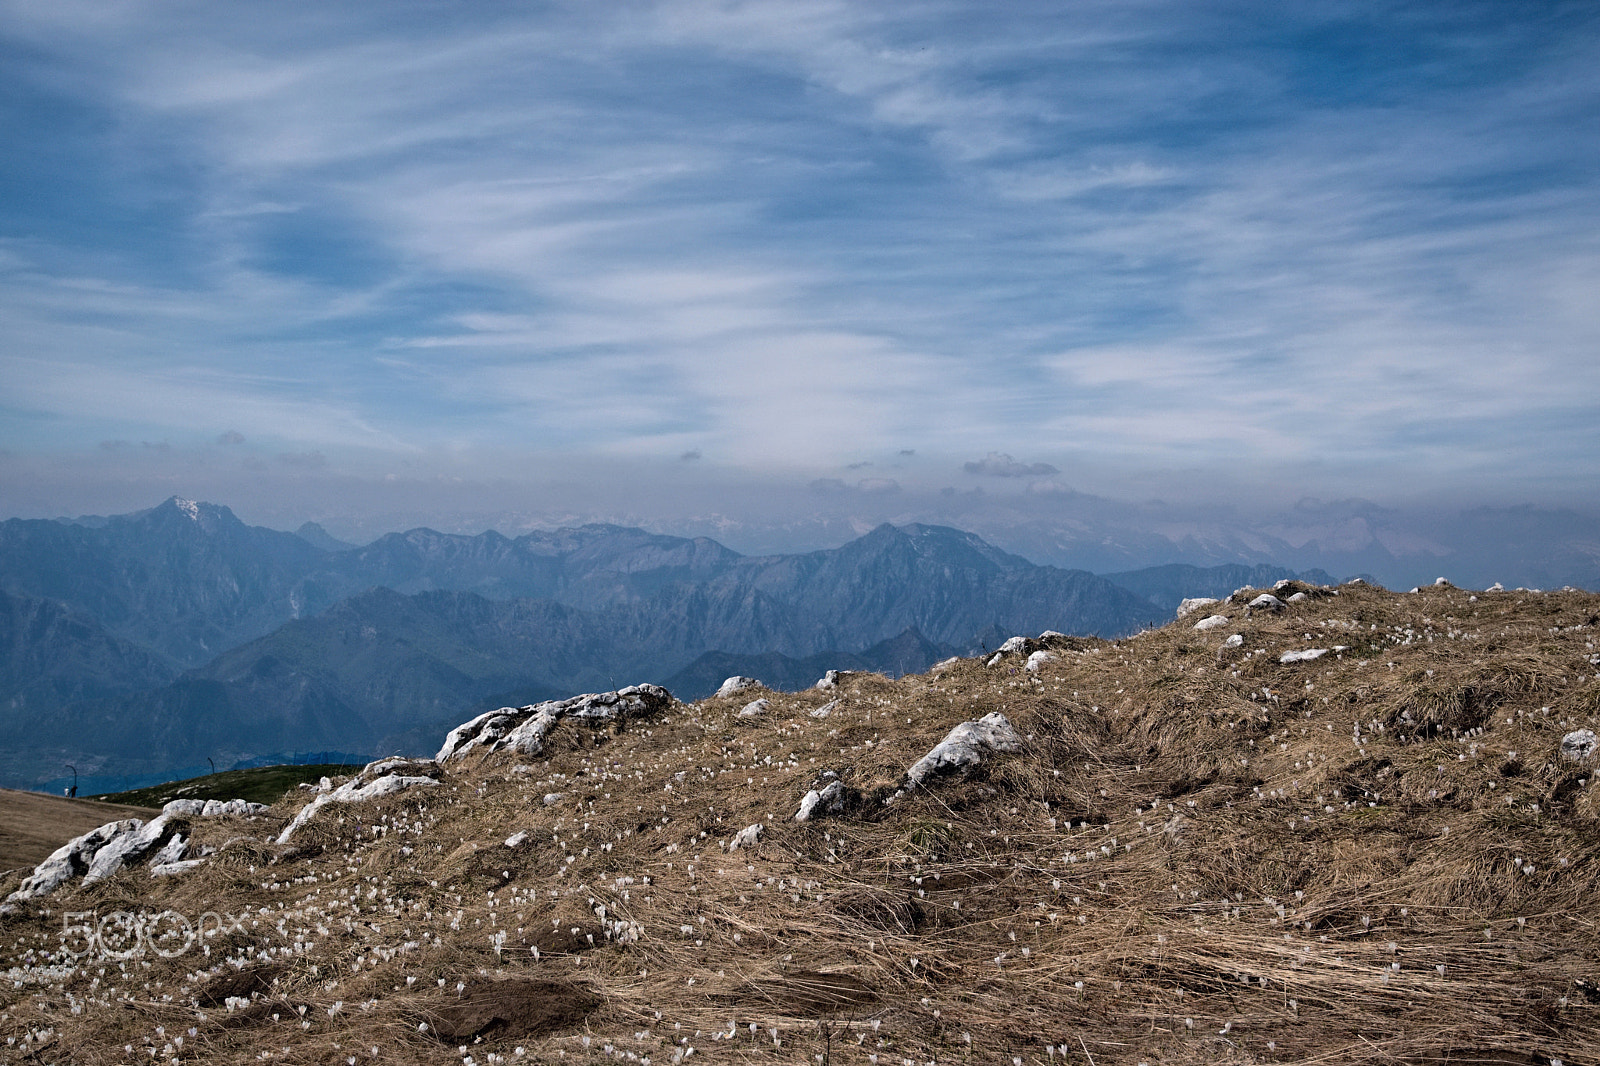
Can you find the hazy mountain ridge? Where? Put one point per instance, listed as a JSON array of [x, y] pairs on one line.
[[51, 654], [183, 580], [358, 648]]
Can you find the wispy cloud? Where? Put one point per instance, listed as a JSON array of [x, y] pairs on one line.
[[1339, 248]]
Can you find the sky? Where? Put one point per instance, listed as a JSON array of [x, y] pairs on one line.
[[804, 263]]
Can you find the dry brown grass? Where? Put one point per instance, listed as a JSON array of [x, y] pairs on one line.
[[1203, 855]]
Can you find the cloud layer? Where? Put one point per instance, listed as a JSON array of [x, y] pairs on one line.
[[1170, 248]]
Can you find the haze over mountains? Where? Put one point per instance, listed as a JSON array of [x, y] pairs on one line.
[[145, 643]]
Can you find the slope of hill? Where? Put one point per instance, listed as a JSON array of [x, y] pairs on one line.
[[1364, 831]]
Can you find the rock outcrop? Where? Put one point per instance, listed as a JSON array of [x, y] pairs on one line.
[[214, 808], [523, 729], [962, 750], [826, 800], [382, 778], [1194, 603], [101, 852], [737, 683]]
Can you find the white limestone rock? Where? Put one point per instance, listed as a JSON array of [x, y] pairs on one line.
[[1303, 656], [1211, 621], [750, 835], [171, 869], [1579, 745], [171, 852], [1013, 644], [128, 848], [523, 729], [736, 684], [755, 708], [1047, 634], [214, 808], [1194, 603], [963, 748], [825, 710], [829, 680], [1267, 602], [101, 852], [516, 839], [1496, 587], [70, 860], [994, 660], [828, 800], [553, 798], [1440, 582], [382, 778], [1299, 597], [1235, 641], [1281, 584], [1038, 659], [944, 664]]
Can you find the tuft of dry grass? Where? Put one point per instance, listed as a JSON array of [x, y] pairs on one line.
[[1203, 854]]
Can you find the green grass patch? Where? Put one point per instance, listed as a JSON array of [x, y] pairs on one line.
[[261, 784]]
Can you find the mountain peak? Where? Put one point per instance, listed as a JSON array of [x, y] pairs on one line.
[[207, 517]]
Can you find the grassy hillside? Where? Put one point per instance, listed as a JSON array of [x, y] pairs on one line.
[[1201, 854], [260, 784]]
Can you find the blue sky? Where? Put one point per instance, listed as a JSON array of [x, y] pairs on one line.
[[630, 259]]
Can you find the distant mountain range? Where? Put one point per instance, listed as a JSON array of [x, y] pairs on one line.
[[138, 643]]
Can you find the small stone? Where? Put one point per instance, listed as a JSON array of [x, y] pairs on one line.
[[830, 800], [825, 710], [1211, 621], [1194, 603], [747, 837], [1578, 746], [755, 708], [737, 683], [963, 748]]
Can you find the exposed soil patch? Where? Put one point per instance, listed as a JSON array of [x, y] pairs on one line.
[[239, 985], [512, 1008]]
